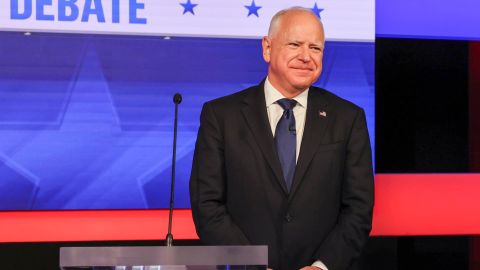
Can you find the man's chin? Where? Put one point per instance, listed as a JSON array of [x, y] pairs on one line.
[[302, 85]]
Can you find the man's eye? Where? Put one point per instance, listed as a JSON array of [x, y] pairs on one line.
[[317, 49], [293, 44]]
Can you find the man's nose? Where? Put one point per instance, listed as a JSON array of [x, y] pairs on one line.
[[304, 54]]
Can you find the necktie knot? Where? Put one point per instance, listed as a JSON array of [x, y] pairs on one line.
[[287, 104]]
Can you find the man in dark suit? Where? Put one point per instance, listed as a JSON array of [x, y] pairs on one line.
[[285, 164]]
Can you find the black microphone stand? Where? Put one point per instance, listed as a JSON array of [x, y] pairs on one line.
[[177, 99]]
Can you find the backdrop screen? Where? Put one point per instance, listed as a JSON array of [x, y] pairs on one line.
[[86, 120]]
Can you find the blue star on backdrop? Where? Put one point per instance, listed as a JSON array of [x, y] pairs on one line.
[[317, 10], [253, 9], [188, 7]]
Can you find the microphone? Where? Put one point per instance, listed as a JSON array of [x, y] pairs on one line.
[[292, 129], [177, 99]]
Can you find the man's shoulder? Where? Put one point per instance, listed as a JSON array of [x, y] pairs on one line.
[[336, 101], [233, 100]]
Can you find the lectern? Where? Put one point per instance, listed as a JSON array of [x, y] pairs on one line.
[[164, 258]]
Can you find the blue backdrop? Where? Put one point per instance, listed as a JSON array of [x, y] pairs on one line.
[[86, 121], [435, 19]]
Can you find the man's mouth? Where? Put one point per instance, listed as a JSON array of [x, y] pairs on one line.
[[303, 68]]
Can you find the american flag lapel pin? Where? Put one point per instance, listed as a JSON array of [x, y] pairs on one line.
[[322, 113]]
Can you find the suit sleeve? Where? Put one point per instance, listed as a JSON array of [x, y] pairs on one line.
[[208, 185], [345, 242]]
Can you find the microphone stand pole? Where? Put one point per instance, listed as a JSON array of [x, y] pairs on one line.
[[177, 99]]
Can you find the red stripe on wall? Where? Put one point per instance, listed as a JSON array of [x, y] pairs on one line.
[[94, 225], [427, 204], [405, 204]]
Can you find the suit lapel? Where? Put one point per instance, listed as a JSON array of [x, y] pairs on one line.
[[316, 124], [255, 113]]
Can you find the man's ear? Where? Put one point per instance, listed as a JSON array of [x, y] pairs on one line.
[[266, 45]]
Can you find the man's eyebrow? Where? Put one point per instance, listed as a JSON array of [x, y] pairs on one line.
[[314, 44], [319, 45]]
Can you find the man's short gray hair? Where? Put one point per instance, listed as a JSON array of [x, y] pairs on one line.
[[275, 22]]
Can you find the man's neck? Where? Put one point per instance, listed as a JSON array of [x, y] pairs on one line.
[[286, 93]]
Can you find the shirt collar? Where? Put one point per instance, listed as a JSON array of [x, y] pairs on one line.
[[272, 95]]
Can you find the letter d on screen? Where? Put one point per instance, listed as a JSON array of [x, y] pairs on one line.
[[15, 13]]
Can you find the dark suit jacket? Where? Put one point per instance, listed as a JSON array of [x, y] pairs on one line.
[[239, 197]]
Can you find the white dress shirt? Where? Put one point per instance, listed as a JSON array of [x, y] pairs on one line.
[[275, 111]]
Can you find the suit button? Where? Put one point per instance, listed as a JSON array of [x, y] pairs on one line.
[[288, 217]]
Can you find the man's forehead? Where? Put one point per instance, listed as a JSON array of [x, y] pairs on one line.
[[299, 22], [300, 34]]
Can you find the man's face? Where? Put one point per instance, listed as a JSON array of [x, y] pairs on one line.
[[294, 53]]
